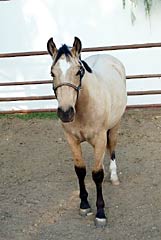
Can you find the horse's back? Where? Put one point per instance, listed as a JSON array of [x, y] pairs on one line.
[[104, 64], [110, 76]]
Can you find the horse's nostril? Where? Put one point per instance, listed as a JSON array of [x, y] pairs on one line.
[[65, 116], [71, 110], [59, 110]]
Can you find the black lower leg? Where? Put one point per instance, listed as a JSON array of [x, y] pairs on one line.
[[113, 155], [81, 173], [98, 179]]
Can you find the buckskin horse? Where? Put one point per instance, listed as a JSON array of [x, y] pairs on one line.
[[92, 98]]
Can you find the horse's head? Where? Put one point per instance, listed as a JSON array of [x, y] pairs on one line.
[[67, 72]]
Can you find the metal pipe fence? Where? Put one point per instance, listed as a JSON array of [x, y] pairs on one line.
[[52, 97]]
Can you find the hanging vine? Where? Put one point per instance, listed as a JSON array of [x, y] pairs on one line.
[[147, 4]]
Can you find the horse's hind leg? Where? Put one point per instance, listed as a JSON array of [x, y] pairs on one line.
[[80, 170], [111, 144]]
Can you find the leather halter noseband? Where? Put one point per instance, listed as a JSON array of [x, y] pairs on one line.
[[76, 88]]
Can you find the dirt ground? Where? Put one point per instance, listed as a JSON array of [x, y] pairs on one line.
[[39, 191]]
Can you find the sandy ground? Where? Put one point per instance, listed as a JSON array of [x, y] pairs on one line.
[[39, 191]]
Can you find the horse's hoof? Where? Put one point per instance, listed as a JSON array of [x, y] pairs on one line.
[[115, 182], [85, 212], [100, 222]]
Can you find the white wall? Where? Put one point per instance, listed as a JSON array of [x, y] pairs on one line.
[[26, 25]]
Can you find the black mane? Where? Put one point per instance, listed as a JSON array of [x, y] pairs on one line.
[[87, 67], [63, 50]]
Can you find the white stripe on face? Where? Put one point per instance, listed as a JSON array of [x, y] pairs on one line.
[[64, 65]]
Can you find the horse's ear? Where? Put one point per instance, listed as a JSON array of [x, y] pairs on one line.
[[77, 47], [51, 47]]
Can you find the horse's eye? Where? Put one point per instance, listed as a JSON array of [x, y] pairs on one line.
[[80, 72], [52, 74]]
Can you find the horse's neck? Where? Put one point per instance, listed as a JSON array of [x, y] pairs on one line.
[[85, 99]]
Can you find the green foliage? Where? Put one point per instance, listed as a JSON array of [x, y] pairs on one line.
[[147, 3], [124, 3], [30, 116]]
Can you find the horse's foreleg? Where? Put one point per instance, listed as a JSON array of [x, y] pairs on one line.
[[84, 205], [112, 141], [98, 176], [80, 170]]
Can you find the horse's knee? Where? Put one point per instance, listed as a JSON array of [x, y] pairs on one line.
[[79, 163], [81, 172], [98, 176]]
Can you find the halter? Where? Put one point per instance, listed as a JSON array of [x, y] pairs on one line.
[[76, 88], [84, 66]]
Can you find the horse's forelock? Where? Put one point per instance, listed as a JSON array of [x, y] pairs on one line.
[[64, 49]]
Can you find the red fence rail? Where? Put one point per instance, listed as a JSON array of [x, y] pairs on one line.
[[52, 97]]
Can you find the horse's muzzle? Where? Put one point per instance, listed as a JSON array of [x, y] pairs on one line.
[[66, 116]]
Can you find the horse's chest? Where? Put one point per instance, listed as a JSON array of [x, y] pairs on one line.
[[83, 134]]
